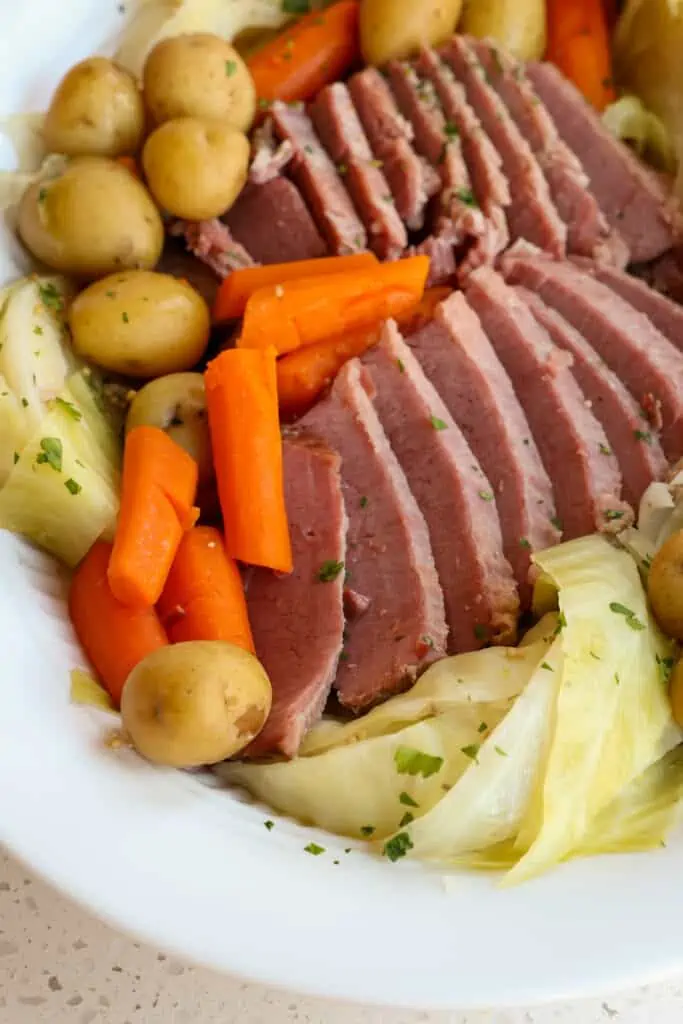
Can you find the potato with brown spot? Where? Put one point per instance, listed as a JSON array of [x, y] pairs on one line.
[[665, 586], [196, 703]]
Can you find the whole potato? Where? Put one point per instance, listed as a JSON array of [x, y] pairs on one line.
[[395, 29], [97, 110], [199, 75], [196, 168], [195, 703], [140, 324], [93, 218], [665, 586], [519, 26], [176, 403]]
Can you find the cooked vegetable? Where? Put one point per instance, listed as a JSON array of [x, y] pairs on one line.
[[629, 121], [676, 692], [237, 288], [317, 50], [13, 430], [396, 29], [195, 703], [157, 495], [665, 586], [140, 323], [309, 311], [96, 110], [519, 26], [176, 403], [196, 167], [241, 395], [115, 638], [199, 75], [62, 492], [204, 598], [87, 691], [579, 44]]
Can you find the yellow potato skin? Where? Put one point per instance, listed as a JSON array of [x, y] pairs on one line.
[[195, 703], [665, 586], [199, 75], [97, 110], [395, 29], [196, 168], [519, 26], [90, 220], [140, 323]]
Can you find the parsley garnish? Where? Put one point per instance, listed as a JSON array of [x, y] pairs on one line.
[[451, 129], [42, 195], [561, 624], [643, 435], [398, 846], [407, 800], [37, 329], [24, 402], [401, 366], [466, 196], [230, 67], [50, 296], [16, 457], [125, 318], [51, 453], [409, 761], [556, 522], [364, 501], [342, 169], [296, 6], [329, 571], [314, 849], [481, 632], [632, 619], [524, 543], [611, 514], [437, 423], [367, 830], [406, 819], [604, 449], [69, 408], [499, 750], [486, 495], [471, 751], [617, 680], [72, 486], [547, 667], [482, 727], [270, 825], [665, 666]]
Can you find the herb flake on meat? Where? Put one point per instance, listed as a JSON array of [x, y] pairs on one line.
[[437, 423], [328, 571]]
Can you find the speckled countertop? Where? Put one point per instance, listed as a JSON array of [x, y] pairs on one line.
[[59, 965]]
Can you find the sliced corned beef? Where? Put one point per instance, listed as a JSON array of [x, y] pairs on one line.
[[442, 262], [587, 483], [612, 404], [389, 560], [320, 184], [482, 158], [646, 362], [588, 232], [454, 494], [273, 223], [268, 157], [459, 360], [212, 242], [298, 620], [341, 132], [633, 199], [412, 180], [531, 214]]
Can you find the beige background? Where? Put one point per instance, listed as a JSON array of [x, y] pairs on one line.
[[59, 965]]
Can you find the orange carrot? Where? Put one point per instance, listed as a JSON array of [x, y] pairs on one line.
[[203, 598], [578, 43], [310, 310], [157, 494], [115, 638], [238, 287], [315, 51], [241, 397]]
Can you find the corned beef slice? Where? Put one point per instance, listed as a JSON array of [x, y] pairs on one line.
[[273, 223], [389, 559], [298, 620], [454, 495]]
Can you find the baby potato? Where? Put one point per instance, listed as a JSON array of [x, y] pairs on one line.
[[665, 586], [199, 75], [97, 110], [519, 26], [395, 29], [176, 403], [195, 703], [196, 168], [140, 324], [93, 218]]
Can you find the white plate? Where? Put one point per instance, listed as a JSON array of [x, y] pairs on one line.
[[193, 870]]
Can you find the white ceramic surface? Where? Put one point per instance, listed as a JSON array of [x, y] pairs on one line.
[[193, 870]]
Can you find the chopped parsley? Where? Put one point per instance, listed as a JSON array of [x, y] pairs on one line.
[[665, 666], [401, 366], [406, 819], [611, 514], [342, 169], [499, 750], [16, 457], [50, 453], [437, 423], [42, 195], [471, 751], [482, 727], [270, 825], [632, 619], [409, 761], [605, 449], [69, 408], [556, 522], [364, 501], [561, 624], [407, 800], [643, 435], [329, 571], [296, 6], [125, 318], [398, 847], [367, 831], [524, 543], [72, 486], [451, 129], [264, 104], [38, 330], [24, 402], [466, 196], [547, 667], [314, 849], [481, 632], [230, 67], [50, 297], [486, 495], [617, 680]]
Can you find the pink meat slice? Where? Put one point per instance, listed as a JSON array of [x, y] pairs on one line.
[[298, 620], [640, 463], [272, 222], [212, 242], [389, 557], [461, 363], [587, 483], [454, 494]]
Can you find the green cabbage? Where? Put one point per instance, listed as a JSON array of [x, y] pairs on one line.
[[629, 120]]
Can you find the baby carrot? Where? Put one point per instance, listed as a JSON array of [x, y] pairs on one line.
[[238, 287], [241, 397], [579, 45], [158, 488], [114, 637], [203, 598], [316, 50]]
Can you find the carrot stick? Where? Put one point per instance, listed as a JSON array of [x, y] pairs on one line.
[[578, 43], [114, 637], [241, 397], [203, 598], [311, 310], [157, 493], [238, 287], [315, 51]]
